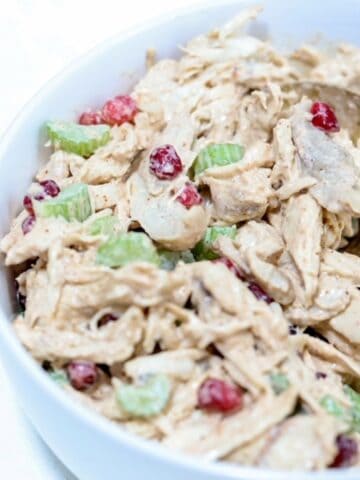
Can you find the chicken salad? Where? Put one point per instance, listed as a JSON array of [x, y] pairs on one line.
[[187, 260]]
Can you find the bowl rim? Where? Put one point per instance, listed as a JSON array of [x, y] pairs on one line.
[[33, 369]]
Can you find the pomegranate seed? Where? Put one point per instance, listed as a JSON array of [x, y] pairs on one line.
[[165, 163], [105, 319], [51, 188], [121, 109], [259, 293], [28, 205], [347, 452], [231, 266], [324, 117], [215, 394], [189, 196], [28, 224], [90, 118], [82, 374]]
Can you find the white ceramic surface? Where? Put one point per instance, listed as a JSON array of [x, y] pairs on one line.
[[92, 447]]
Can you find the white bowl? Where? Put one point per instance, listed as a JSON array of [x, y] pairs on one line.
[[92, 447]]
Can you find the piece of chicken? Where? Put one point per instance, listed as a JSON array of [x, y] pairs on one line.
[[329, 162]]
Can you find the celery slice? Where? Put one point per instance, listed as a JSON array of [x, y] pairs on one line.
[[332, 406], [73, 203], [355, 409], [351, 415], [147, 400], [59, 377], [103, 226], [353, 396], [217, 155], [80, 139], [203, 249], [127, 248], [355, 419], [169, 259], [279, 382]]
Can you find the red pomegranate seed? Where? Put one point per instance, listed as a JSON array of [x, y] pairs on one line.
[[165, 163], [51, 188], [232, 267], [121, 109], [28, 205], [215, 394], [259, 293], [324, 117], [105, 319], [82, 374], [28, 224], [189, 196], [347, 452], [90, 118]]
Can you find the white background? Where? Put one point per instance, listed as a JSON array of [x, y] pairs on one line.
[[37, 38]]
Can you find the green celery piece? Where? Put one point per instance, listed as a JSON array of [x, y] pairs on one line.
[[169, 259], [147, 400], [353, 396], [80, 139], [127, 248], [279, 382], [203, 249], [355, 419], [332, 406], [217, 155], [187, 257], [103, 226], [59, 377], [355, 409], [72, 203], [351, 415]]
